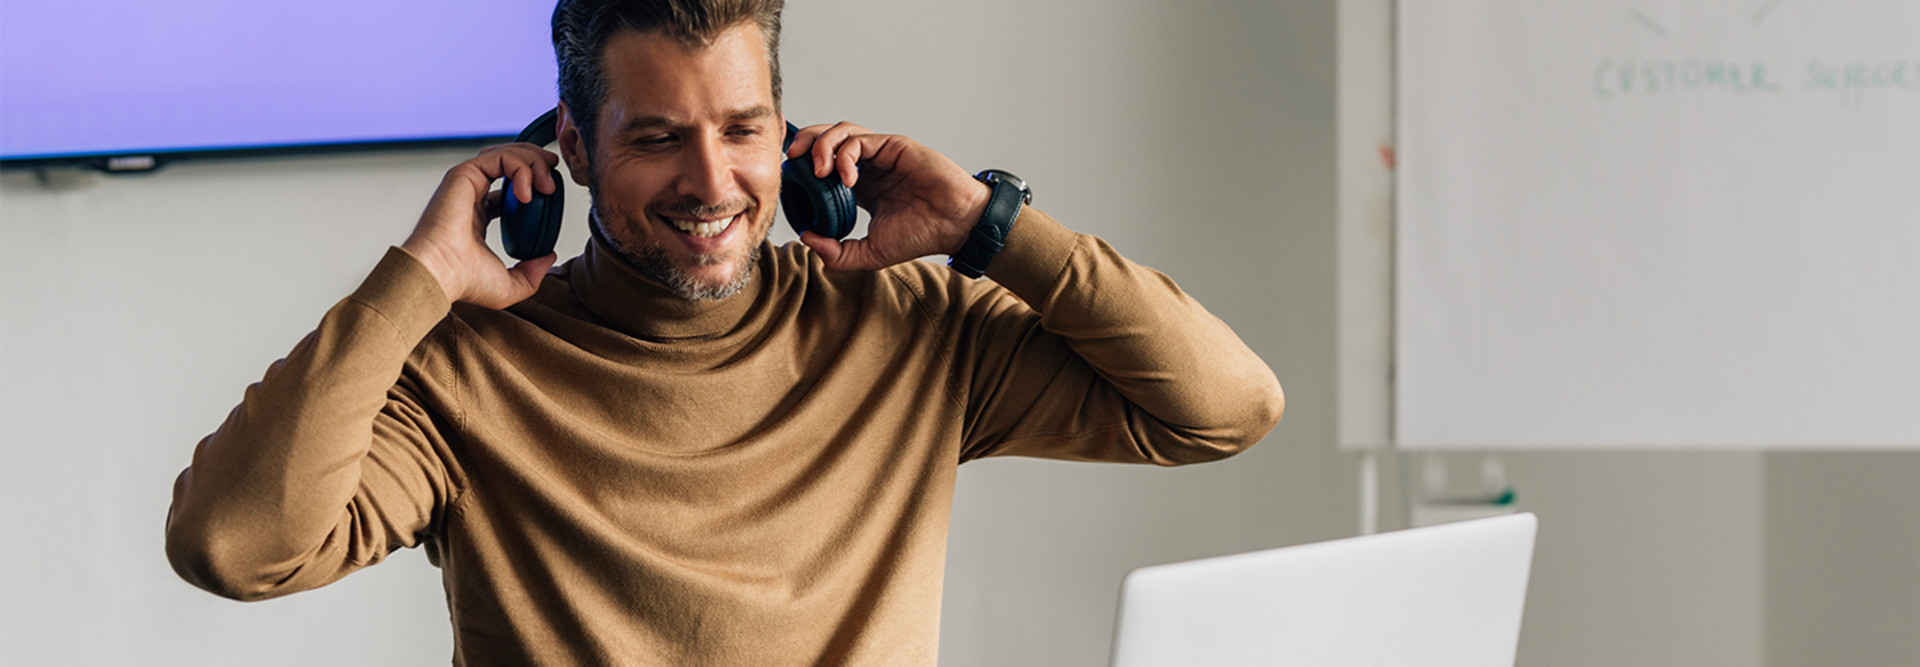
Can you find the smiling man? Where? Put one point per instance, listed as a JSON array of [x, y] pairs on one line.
[[687, 446], [683, 187]]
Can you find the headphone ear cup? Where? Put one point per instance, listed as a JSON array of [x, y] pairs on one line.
[[825, 207], [530, 230]]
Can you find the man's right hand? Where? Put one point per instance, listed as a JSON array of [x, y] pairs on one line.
[[451, 236]]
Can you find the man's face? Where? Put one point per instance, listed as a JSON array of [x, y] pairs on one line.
[[686, 166]]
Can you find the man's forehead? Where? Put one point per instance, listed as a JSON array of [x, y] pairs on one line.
[[657, 75]]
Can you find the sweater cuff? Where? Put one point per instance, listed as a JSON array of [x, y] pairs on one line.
[[1036, 253], [403, 291]]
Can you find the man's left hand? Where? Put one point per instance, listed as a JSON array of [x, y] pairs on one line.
[[921, 203]]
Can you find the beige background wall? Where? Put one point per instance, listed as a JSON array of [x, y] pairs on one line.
[[1198, 137]]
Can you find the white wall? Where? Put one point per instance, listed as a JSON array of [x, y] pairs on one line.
[[1198, 137], [1643, 558], [1843, 559]]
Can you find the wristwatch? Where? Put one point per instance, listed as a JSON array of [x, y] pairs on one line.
[[989, 235]]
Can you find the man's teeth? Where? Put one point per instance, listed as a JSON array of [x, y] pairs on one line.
[[703, 229]]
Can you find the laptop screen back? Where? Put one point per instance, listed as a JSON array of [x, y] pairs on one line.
[[1438, 596]]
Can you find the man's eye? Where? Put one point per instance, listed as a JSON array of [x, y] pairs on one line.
[[653, 141]]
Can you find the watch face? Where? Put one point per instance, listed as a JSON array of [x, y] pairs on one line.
[[991, 175]]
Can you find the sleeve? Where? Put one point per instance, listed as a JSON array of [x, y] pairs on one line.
[[1088, 356], [331, 461]]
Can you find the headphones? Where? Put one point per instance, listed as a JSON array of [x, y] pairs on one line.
[[529, 230]]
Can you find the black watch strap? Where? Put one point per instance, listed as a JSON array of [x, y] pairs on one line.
[[989, 235]]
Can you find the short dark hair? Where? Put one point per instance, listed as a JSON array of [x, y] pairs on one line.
[[581, 29]]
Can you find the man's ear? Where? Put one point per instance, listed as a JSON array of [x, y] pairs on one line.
[[573, 147]]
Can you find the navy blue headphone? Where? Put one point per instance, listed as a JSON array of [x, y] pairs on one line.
[[825, 207]]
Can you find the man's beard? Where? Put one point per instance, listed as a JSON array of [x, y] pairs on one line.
[[655, 262]]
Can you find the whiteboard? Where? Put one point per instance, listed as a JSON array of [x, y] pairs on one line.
[[1657, 224]]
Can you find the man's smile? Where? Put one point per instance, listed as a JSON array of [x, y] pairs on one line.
[[707, 228], [706, 235]]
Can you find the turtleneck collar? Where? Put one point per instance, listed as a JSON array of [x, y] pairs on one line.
[[613, 289]]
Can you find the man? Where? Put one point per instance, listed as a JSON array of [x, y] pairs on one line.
[[687, 446]]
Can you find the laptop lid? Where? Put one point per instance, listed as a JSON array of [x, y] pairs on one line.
[[1447, 595]]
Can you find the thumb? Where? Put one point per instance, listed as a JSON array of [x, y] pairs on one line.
[[828, 249], [848, 255], [527, 274]]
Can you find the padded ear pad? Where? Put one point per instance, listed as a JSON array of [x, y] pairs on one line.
[[826, 207], [529, 230]]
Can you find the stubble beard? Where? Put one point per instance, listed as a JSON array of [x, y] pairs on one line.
[[655, 262]]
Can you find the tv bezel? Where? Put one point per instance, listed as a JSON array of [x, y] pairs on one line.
[[138, 161]]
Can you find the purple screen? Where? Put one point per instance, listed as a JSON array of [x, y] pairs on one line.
[[131, 76]]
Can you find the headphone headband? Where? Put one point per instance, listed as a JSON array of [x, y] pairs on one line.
[[543, 130]]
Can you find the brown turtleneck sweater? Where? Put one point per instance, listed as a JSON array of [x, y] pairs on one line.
[[606, 474]]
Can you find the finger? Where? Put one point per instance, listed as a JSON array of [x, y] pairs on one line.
[[877, 151], [502, 157], [495, 205], [802, 140], [829, 143], [848, 158], [543, 175], [806, 139], [884, 151], [492, 164], [543, 181], [531, 169], [522, 176], [514, 176], [822, 150]]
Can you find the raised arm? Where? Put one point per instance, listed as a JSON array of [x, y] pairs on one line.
[[1103, 359], [1097, 358], [336, 458], [330, 462]]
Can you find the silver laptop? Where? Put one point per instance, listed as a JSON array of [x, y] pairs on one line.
[[1440, 596]]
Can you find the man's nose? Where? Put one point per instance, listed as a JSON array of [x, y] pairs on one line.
[[707, 172]]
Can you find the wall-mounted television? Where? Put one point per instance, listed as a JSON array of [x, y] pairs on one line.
[[130, 84]]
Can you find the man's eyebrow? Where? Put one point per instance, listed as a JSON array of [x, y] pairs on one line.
[[750, 113], [646, 123]]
